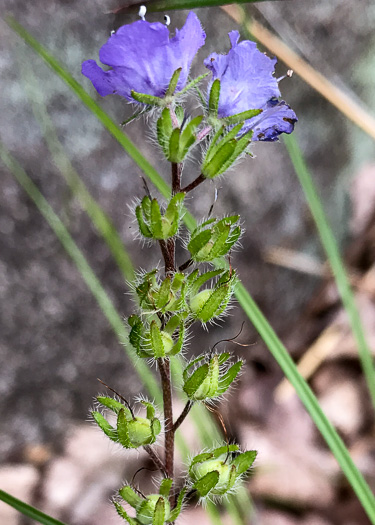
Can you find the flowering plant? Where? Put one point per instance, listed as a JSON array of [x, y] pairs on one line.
[[151, 69]]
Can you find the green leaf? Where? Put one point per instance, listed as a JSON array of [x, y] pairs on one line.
[[28, 510], [192, 384], [159, 512], [244, 461], [149, 100], [105, 426], [206, 483], [229, 377], [213, 103], [130, 496]]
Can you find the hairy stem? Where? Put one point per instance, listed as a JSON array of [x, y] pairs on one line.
[[155, 458], [176, 177], [165, 375], [183, 415], [201, 178]]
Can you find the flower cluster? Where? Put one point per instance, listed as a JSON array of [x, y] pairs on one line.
[[241, 105]]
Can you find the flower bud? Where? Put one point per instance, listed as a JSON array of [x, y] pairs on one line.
[[131, 431], [215, 473], [152, 509], [152, 224], [211, 379], [154, 342], [207, 304], [214, 238]]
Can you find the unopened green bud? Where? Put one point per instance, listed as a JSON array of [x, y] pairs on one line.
[[147, 509], [215, 473], [214, 238], [155, 225]]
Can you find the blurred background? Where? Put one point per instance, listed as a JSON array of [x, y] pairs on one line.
[[55, 340]]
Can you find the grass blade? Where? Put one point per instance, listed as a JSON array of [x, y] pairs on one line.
[[330, 246], [164, 5], [28, 510], [311, 403]]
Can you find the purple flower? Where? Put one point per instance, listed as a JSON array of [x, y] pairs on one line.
[[247, 82], [143, 58]]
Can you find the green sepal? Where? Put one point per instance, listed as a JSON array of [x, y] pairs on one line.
[[224, 450], [174, 146], [241, 145], [156, 221], [213, 103], [202, 279], [192, 384], [110, 403], [159, 512], [173, 213], [130, 496], [214, 167], [136, 332], [212, 306], [209, 387], [178, 279], [229, 377], [163, 296], [121, 512], [150, 100], [173, 83], [165, 487], [164, 128], [244, 461], [241, 117], [157, 347], [188, 136], [177, 347], [150, 409], [205, 484], [143, 227], [214, 454], [176, 511], [155, 428], [105, 426], [222, 358], [198, 242], [193, 83], [172, 324], [180, 113], [137, 114], [123, 430]]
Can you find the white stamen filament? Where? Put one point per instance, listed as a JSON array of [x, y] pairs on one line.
[[142, 12], [288, 74]]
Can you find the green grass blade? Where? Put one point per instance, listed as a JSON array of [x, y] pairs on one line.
[[311, 403], [84, 268], [330, 246], [163, 5], [28, 510]]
